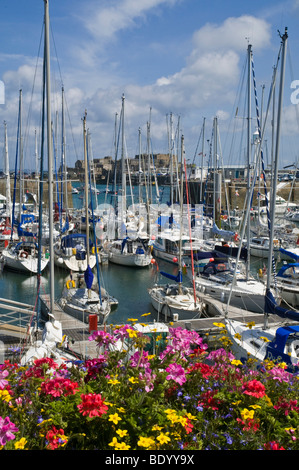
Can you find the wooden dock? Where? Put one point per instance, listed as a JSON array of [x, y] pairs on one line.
[[204, 325], [78, 332]]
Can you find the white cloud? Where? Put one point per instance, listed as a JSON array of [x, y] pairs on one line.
[[104, 21], [233, 33]]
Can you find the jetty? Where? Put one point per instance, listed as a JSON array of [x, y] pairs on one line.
[[15, 337]]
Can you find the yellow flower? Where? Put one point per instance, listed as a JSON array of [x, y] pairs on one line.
[[123, 446], [268, 400], [255, 407], [132, 319], [122, 432], [219, 325], [114, 418], [113, 443], [190, 416], [5, 396], [133, 380], [282, 365], [146, 314], [172, 416], [247, 414], [157, 428], [121, 410], [163, 438], [238, 336], [107, 403], [236, 362], [236, 402], [265, 339], [21, 443], [132, 333], [250, 324], [113, 381], [145, 441]]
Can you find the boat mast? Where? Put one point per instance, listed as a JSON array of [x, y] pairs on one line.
[[86, 188], [181, 217], [7, 176], [273, 202], [249, 52], [50, 154]]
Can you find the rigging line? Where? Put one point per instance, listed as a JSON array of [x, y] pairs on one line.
[[261, 151], [32, 89], [67, 109]]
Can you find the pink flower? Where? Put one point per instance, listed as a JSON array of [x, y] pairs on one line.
[[7, 428], [177, 373], [221, 355], [280, 374], [3, 382], [102, 337], [182, 341]]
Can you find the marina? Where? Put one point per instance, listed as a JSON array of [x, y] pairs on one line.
[[91, 263]]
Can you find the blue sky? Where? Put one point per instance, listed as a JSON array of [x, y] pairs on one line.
[[184, 57]]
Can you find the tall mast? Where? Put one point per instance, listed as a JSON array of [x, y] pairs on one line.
[[50, 153], [248, 152], [7, 176], [86, 188], [278, 126]]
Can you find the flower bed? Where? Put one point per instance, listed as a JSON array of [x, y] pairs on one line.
[[183, 398]]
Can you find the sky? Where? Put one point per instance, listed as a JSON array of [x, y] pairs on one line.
[[179, 60]]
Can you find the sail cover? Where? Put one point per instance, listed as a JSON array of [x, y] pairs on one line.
[[88, 276]]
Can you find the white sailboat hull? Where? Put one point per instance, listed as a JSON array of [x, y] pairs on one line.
[[73, 264], [248, 295], [25, 265], [80, 303], [248, 341], [174, 307]]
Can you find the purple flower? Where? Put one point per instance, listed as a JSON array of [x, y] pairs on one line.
[[177, 373], [7, 428]]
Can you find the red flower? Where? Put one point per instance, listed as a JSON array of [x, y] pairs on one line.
[[92, 405], [59, 386], [249, 425], [204, 369], [188, 426], [55, 438], [254, 388], [287, 406], [273, 446], [208, 400]]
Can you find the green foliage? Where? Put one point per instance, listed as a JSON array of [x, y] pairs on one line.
[[185, 397]]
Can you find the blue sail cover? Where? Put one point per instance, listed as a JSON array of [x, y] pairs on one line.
[[289, 253], [88, 277], [271, 307], [66, 226], [177, 278], [285, 267]]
